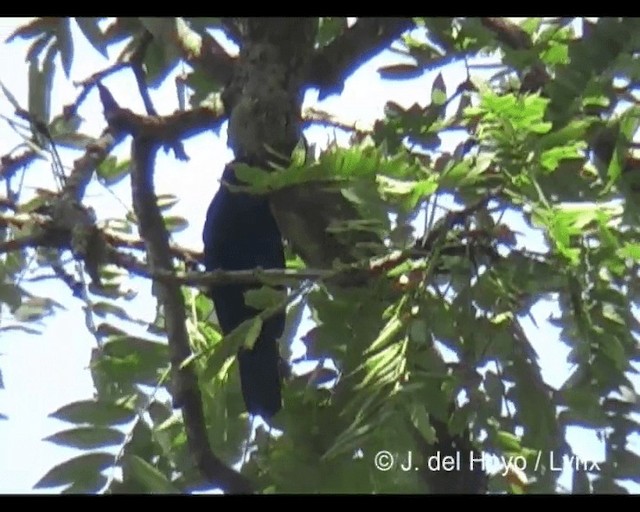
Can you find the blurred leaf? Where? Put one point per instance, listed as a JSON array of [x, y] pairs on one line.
[[65, 126], [162, 55], [400, 71], [551, 158], [11, 295], [38, 46], [439, 91], [103, 309], [245, 335], [91, 30], [630, 251], [39, 92], [149, 477], [175, 224], [87, 437], [94, 413], [10, 97], [65, 44], [75, 469], [264, 297], [166, 201], [126, 359], [87, 484], [110, 171], [32, 309], [329, 28], [508, 442]]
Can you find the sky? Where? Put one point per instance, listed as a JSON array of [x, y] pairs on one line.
[[59, 356]]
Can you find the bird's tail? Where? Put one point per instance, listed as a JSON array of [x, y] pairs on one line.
[[260, 376]]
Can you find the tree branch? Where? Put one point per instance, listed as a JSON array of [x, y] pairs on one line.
[[120, 240], [164, 129], [186, 392], [311, 116], [508, 33], [83, 168], [9, 165], [332, 64], [134, 58]]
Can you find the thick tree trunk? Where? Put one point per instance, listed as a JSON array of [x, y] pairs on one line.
[[265, 95]]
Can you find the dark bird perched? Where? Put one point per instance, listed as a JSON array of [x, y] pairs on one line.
[[240, 233]]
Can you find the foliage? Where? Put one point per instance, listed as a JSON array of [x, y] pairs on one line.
[[549, 142]]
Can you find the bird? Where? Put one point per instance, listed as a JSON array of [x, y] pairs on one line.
[[240, 233]]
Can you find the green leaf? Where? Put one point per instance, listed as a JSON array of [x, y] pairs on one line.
[[253, 332], [149, 477], [421, 190], [91, 30], [38, 46], [204, 89], [264, 297], [87, 438], [32, 309], [76, 470], [166, 201], [175, 224], [387, 335], [245, 335], [39, 93], [614, 350], [567, 135], [188, 39], [127, 359], [94, 413], [366, 421], [329, 29], [629, 250], [400, 72], [551, 158], [88, 484], [110, 171], [10, 97], [439, 91], [555, 54], [585, 408], [65, 44], [64, 125], [508, 442], [162, 55], [102, 309], [11, 295], [534, 407]]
